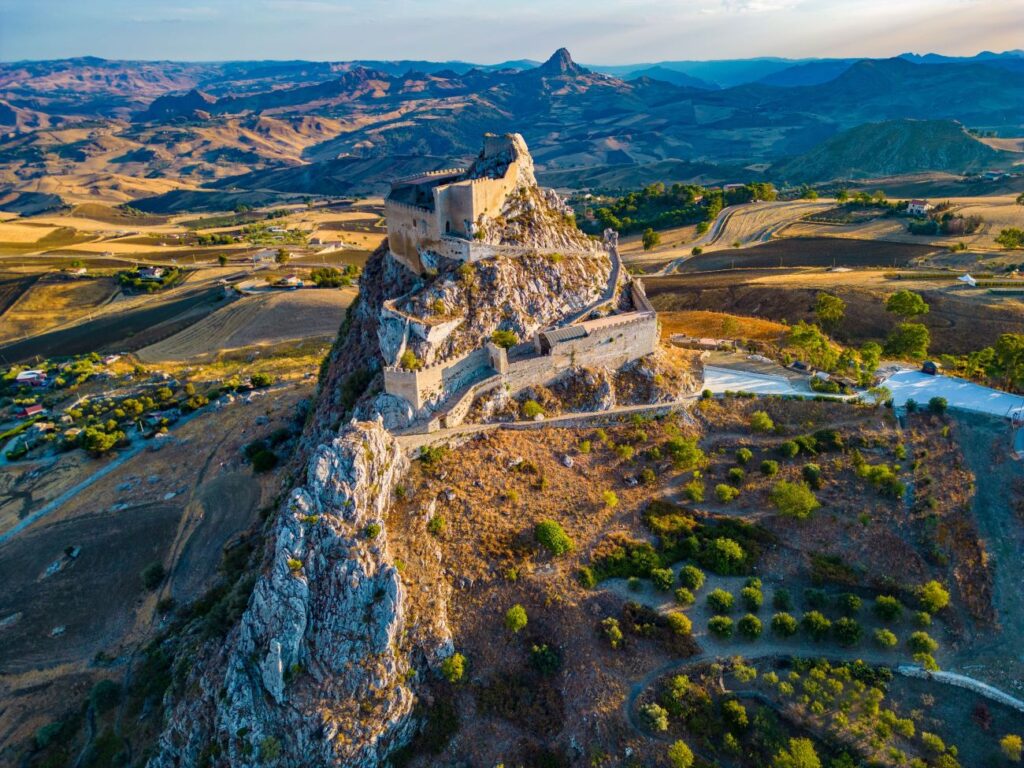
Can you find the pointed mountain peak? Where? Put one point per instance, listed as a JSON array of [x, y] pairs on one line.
[[561, 63]]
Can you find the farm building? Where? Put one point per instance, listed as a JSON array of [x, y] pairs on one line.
[[28, 411], [150, 273], [918, 207], [32, 378]]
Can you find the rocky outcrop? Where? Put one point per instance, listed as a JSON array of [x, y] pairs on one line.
[[315, 672], [459, 309]]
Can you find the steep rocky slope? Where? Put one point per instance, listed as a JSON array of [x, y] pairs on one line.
[[316, 670]]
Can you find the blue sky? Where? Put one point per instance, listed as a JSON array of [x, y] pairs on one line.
[[597, 31]]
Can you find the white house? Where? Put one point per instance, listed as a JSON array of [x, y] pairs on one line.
[[918, 207]]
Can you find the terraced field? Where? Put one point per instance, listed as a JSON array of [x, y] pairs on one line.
[[50, 303], [256, 321]]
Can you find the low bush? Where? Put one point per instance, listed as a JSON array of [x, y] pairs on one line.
[[932, 596], [453, 668], [784, 625], [736, 475], [749, 626], [847, 631], [888, 608], [515, 618], [922, 642], [782, 600], [720, 626], [793, 499], [662, 579], [761, 422], [815, 625], [553, 537], [788, 449], [684, 596], [612, 632], [726, 493], [769, 467], [720, 601], [679, 623], [691, 577], [752, 598], [885, 638], [153, 575], [654, 716], [744, 455]]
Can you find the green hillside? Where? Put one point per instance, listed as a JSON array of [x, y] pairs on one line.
[[889, 148]]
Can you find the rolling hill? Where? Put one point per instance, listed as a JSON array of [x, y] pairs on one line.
[[890, 148]]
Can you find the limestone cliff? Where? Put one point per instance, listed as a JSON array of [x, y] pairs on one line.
[[315, 673]]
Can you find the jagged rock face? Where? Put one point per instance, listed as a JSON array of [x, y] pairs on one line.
[[585, 389], [315, 666], [358, 347], [521, 294], [657, 378]]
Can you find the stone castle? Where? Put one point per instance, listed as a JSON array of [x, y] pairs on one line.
[[462, 215]]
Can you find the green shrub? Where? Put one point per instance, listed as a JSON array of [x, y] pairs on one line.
[[744, 455], [531, 409], [922, 619], [769, 467], [654, 716], [885, 638], [847, 631], [515, 618], [726, 493], [586, 578], [504, 339], [849, 604], [373, 530], [264, 461], [735, 714], [681, 756], [691, 577], [679, 623], [662, 578], [749, 626], [815, 625], [612, 631], [888, 607], [720, 601], [694, 490], [752, 598], [684, 596], [720, 626], [921, 642], [788, 449], [105, 695], [761, 422], [723, 555], [736, 475], [553, 537], [453, 668], [932, 596], [812, 476], [436, 525], [938, 405], [793, 499], [784, 625], [545, 659]]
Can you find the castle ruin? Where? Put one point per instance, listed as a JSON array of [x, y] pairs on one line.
[[453, 215]]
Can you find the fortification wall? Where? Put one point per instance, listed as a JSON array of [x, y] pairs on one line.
[[433, 383], [408, 226]]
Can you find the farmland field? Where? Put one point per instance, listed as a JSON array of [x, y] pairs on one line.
[[52, 302], [256, 321], [810, 252]]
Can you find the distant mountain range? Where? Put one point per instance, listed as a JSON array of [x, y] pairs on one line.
[[339, 125]]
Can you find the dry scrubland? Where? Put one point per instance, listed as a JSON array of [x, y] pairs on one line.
[[462, 534]]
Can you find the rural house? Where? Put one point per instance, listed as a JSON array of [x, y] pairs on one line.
[[918, 207]]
